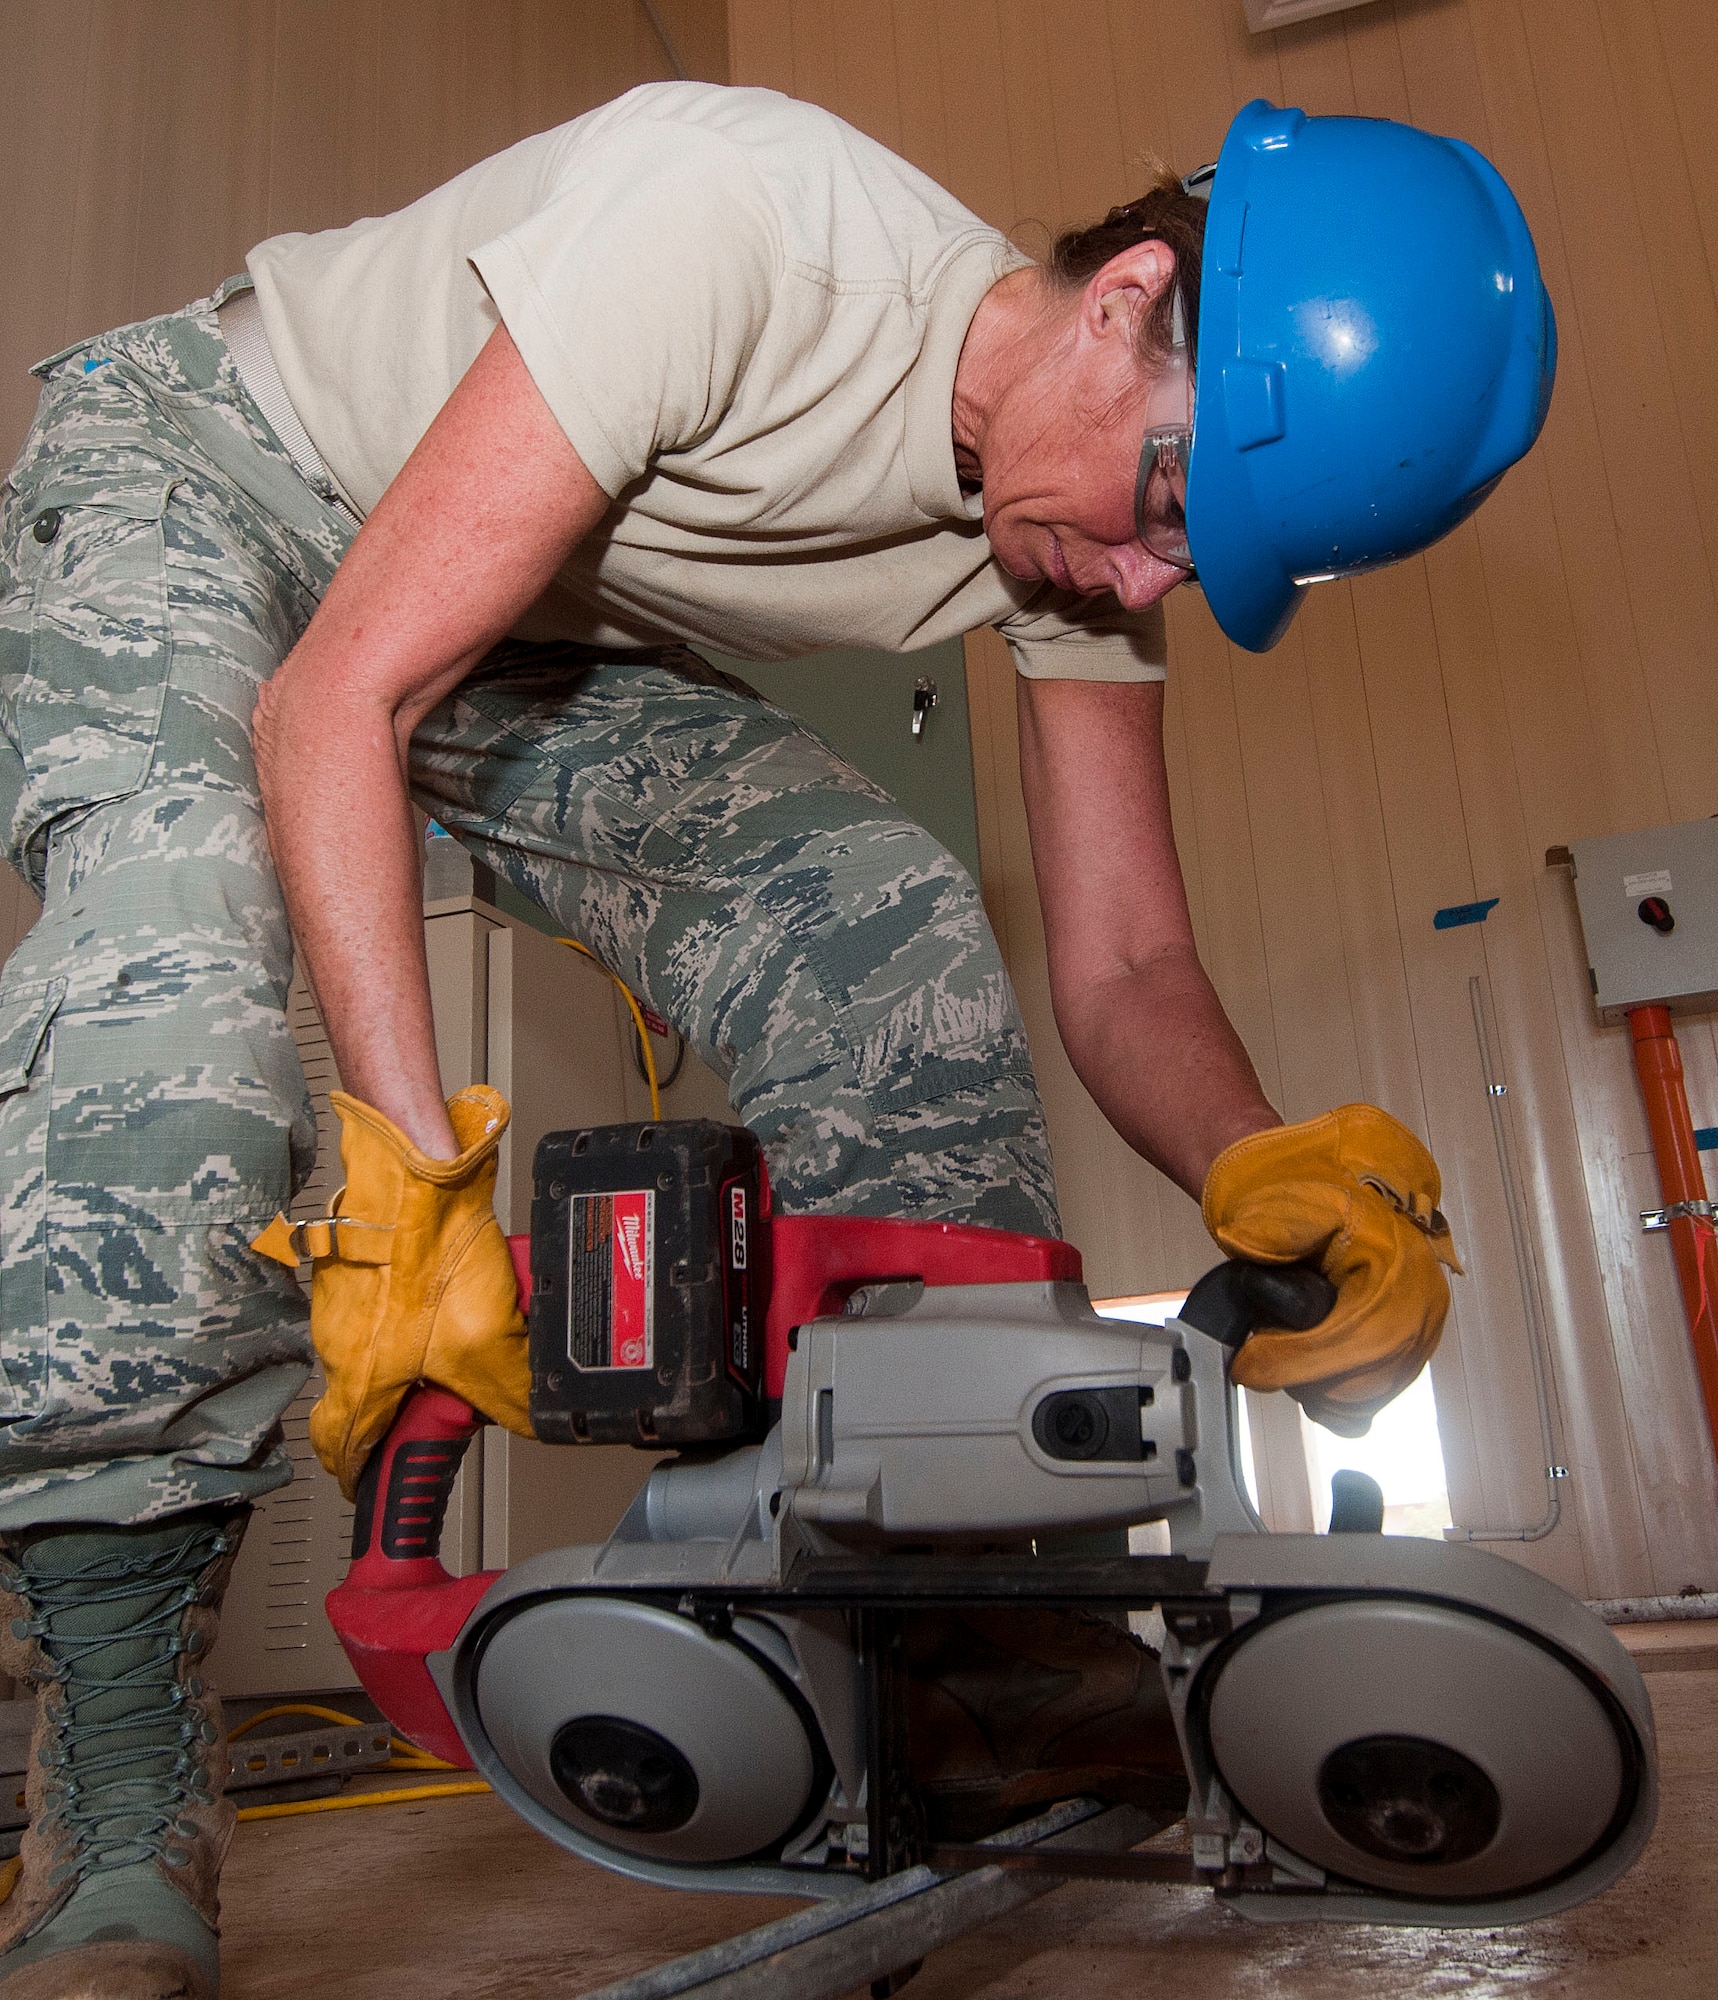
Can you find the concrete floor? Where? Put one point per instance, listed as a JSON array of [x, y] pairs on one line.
[[458, 1898]]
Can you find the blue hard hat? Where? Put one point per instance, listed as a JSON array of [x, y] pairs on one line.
[[1375, 349]]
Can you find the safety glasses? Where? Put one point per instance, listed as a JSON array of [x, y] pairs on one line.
[[1160, 488]]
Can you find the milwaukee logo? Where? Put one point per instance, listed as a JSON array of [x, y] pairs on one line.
[[737, 1228], [629, 1242]]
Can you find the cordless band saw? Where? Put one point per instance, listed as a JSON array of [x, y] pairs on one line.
[[870, 1419]]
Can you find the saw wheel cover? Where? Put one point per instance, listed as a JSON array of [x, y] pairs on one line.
[[705, 1730], [1418, 1747]]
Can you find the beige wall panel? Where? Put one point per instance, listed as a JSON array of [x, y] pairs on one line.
[[322, 139], [204, 179], [112, 119], [1317, 1059], [700, 31], [1663, 179], [760, 43], [46, 55], [418, 137], [150, 143], [501, 77], [857, 46], [1143, 90], [1186, 1246], [1034, 169], [1079, 80], [918, 71], [1553, 522], [1646, 469], [1378, 63], [980, 149], [813, 29], [1688, 33]]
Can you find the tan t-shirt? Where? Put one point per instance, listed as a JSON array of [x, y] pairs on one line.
[[746, 316]]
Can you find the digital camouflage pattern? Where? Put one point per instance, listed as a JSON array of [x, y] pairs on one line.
[[828, 958], [160, 553]]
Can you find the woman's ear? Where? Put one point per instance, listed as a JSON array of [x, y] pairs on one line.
[[1129, 284]]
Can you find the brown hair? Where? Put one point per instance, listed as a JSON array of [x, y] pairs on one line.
[[1163, 212]]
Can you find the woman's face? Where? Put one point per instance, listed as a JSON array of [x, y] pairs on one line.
[[1061, 451]]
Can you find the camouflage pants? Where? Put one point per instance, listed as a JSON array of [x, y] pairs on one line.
[[159, 556]]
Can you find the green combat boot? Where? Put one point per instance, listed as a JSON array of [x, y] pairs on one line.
[[128, 1828]]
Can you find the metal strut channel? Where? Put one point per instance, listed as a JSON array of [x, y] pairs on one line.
[[820, 1953]]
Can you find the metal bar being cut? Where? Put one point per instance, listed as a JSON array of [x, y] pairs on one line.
[[821, 1953]]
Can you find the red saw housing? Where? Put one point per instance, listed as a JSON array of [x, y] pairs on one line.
[[398, 1604]]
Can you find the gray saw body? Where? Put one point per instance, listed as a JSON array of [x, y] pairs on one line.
[[1374, 1729]]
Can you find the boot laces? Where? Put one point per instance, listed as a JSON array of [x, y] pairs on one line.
[[123, 1779]]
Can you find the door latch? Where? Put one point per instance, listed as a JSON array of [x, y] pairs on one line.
[[924, 700]]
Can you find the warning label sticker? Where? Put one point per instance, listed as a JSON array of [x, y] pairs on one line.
[[611, 1280]]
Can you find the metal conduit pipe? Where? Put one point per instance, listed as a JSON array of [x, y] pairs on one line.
[[1495, 1093], [1654, 1610]]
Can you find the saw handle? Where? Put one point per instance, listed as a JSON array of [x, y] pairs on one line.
[[404, 1488], [1232, 1301]]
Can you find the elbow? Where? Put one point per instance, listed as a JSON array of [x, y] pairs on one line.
[[264, 735]]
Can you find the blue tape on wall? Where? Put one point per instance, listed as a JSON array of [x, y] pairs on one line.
[[1463, 913], [1706, 1138]]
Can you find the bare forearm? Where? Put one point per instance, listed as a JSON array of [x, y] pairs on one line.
[[464, 540], [1160, 1058], [1141, 1022], [345, 849]]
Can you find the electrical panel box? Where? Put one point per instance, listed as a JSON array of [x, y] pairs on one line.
[[1649, 913]]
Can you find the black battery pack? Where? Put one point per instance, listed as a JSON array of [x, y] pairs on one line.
[[649, 1281]]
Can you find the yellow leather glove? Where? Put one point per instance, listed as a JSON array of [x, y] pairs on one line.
[[412, 1281], [1356, 1194]]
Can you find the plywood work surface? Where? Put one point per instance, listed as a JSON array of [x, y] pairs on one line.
[[1673, 1645], [458, 1898]]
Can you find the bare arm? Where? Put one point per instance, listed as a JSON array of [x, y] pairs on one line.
[[466, 538], [1140, 1020]]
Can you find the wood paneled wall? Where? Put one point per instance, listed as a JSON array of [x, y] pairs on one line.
[[145, 145], [1421, 738]]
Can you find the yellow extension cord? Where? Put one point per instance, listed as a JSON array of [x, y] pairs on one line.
[[628, 996]]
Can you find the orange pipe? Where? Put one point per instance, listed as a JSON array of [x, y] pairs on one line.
[[1658, 1062]]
